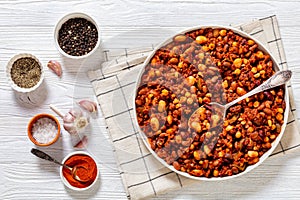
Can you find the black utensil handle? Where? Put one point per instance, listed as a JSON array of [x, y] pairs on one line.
[[43, 155]]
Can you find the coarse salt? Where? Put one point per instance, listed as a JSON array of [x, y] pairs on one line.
[[44, 130]]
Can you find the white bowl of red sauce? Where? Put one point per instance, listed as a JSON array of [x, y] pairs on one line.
[[87, 170]]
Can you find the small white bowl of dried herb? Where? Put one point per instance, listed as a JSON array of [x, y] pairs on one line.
[[77, 35], [24, 72]]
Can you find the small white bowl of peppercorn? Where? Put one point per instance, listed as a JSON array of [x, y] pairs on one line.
[[24, 72], [77, 35]]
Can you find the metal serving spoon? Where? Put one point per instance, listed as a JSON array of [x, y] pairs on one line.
[[73, 170], [279, 78]]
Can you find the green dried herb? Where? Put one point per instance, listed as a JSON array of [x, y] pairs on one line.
[[26, 72]]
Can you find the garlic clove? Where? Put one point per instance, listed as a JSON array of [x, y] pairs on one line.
[[68, 118], [76, 113], [83, 142], [70, 128], [88, 105], [55, 66]]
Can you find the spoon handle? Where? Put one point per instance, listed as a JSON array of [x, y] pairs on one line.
[[277, 79], [44, 156]]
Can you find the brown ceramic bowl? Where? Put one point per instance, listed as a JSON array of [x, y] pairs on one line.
[[33, 121]]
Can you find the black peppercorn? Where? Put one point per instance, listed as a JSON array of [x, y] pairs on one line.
[[77, 36]]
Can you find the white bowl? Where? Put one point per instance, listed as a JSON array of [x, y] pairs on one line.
[[12, 83], [65, 181], [66, 18], [264, 156]]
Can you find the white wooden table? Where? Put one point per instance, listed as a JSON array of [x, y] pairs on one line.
[[27, 26]]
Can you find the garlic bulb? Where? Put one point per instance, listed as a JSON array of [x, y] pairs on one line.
[[75, 121]]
